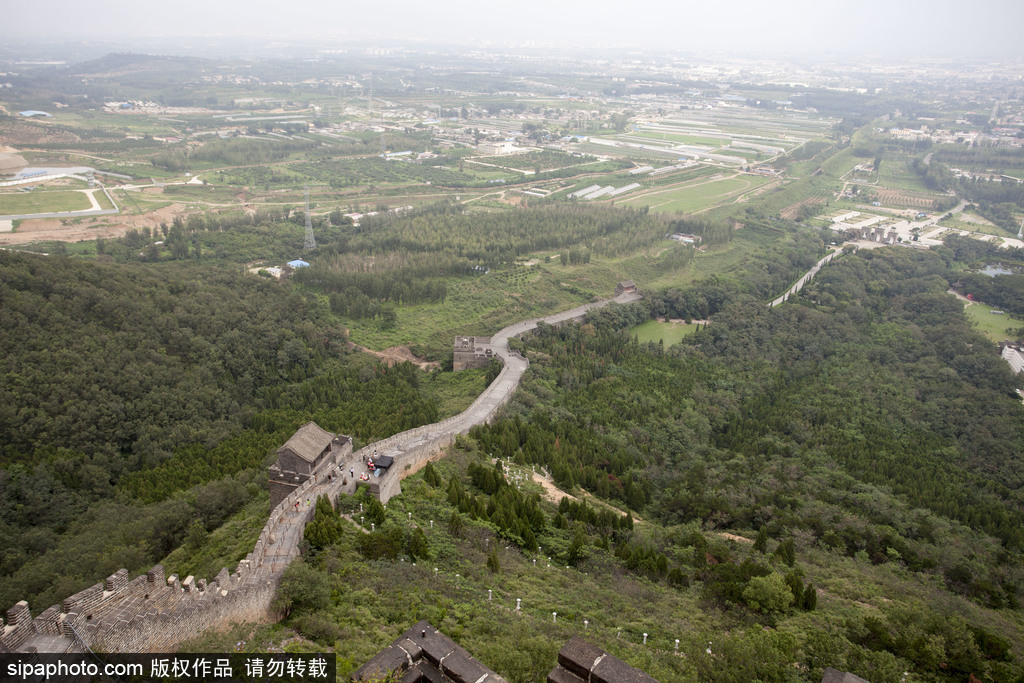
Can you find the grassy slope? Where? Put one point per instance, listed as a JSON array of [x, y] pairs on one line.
[[372, 602], [668, 333], [483, 305], [995, 327]]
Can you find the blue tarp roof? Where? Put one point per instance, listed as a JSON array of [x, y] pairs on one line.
[[298, 263]]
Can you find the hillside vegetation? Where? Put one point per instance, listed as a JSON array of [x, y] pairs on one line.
[[788, 489]]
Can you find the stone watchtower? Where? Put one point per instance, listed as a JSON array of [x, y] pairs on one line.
[[310, 450], [472, 352]]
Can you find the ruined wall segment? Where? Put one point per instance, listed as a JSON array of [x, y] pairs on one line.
[[156, 613], [472, 352]]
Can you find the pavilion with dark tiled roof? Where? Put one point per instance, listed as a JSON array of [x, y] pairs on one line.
[[425, 655], [581, 662]]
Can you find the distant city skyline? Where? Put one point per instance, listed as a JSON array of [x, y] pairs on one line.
[[897, 28]]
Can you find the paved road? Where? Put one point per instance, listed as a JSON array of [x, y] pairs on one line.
[[60, 214]]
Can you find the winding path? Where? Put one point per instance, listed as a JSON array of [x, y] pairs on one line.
[[155, 613]]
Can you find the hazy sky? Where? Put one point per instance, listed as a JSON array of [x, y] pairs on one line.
[[899, 27]]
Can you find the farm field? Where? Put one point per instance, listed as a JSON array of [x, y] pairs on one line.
[[896, 173], [543, 161], [978, 226], [680, 138], [698, 196], [914, 199], [14, 203]]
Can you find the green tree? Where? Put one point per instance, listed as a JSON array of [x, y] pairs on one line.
[[768, 593], [455, 524], [303, 588], [326, 526], [578, 546], [810, 599], [195, 537], [418, 546], [761, 542], [375, 512], [431, 476], [786, 552]]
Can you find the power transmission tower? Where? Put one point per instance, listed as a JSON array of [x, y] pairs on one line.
[[310, 240]]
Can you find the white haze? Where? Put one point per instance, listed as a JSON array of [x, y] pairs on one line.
[[904, 28]]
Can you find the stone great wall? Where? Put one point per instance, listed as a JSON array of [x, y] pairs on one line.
[[155, 613]]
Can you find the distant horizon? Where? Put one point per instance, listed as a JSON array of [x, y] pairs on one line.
[[259, 47], [784, 29]]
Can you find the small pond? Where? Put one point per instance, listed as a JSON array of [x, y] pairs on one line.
[[993, 269]]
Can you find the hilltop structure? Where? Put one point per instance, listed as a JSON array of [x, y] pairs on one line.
[[625, 287]]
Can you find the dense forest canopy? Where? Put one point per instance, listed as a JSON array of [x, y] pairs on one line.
[[140, 400]]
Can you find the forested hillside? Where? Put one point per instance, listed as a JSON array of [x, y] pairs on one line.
[[139, 403], [833, 482]]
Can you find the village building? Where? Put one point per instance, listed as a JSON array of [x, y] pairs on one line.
[[308, 451], [880, 234], [625, 287], [498, 147], [1013, 355]]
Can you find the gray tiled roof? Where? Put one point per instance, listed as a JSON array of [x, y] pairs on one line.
[[309, 441]]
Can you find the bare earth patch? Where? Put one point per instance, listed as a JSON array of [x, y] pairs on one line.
[[81, 229], [398, 354], [555, 494], [734, 537], [10, 162], [793, 210]]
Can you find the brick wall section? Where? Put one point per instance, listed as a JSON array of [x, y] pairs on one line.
[[50, 621], [19, 626], [424, 653]]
